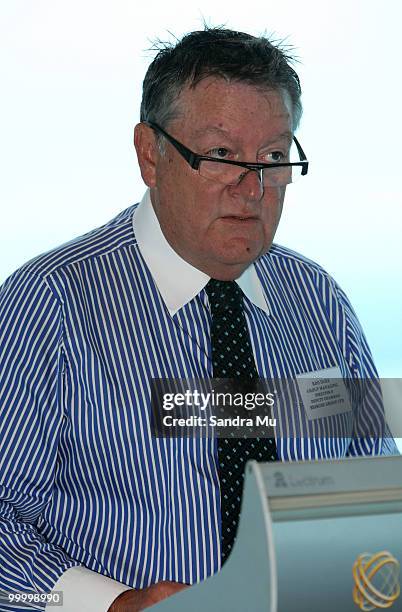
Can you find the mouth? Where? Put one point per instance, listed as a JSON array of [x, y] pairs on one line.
[[240, 218]]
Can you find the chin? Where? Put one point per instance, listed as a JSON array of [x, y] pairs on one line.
[[229, 268], [245, 254]]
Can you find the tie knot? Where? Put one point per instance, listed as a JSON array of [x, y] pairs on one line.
[[224, 296]]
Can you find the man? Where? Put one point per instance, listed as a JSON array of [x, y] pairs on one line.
[[91, 503]]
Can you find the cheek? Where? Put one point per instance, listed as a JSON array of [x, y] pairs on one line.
[[273, 202], [192, 203], [202, 200], [271, 214]]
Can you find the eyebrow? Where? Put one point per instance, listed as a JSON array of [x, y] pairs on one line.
[[211, 130], [288, 135], [222, 132]]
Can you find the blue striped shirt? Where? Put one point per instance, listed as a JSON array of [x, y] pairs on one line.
[[83, 330]]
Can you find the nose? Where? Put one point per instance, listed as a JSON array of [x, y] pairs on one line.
[[250, 185]]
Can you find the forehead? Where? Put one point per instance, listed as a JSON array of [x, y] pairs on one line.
[[233, 107]]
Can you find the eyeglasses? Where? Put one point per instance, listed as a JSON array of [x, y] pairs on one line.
[[228, 172]]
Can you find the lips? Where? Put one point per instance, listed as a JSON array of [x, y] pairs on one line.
[[240, 217]]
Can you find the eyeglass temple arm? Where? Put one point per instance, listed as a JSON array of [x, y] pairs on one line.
[[189, 156], [302, 155]]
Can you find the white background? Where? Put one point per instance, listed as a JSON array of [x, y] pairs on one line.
[[70, 96]]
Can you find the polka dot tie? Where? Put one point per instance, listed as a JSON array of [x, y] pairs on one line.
[[232, 357]]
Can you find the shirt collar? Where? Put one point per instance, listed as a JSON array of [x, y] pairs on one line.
[[184, 281]]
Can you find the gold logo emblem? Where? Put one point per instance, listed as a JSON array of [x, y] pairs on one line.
[[376, 579]]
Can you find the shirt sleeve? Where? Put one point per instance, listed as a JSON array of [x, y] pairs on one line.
[[86, 591], [372, 435], [31, 413]]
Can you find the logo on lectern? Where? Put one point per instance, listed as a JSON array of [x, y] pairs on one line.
[[280, 480], [376, 580]]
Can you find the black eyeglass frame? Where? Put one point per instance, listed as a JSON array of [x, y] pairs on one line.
[[194, 159]]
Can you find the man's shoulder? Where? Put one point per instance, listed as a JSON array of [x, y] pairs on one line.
[[285, 259], [294, 273], [283, 271], [100, 242]]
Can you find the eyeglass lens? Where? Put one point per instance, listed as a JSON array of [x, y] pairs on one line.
[[272, 177], [231, 175]]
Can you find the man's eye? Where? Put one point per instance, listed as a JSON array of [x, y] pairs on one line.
[[220, 152], [275, 157]]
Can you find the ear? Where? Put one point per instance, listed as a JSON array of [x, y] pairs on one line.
[[147, 152]]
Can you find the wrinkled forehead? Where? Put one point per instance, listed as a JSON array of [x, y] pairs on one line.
[[232, 106]]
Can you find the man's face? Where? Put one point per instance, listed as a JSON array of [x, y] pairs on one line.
[[219, 229]]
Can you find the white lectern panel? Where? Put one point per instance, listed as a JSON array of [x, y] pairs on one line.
[[302, 527]]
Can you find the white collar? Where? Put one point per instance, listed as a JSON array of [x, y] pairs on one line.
[[182, 282]]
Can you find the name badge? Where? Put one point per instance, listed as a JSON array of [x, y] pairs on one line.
[[323, 393]]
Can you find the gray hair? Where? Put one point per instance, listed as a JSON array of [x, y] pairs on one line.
[[233, 56]]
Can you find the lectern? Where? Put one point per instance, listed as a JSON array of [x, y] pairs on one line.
[[303, 532]]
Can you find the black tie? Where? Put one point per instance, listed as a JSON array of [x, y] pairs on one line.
[[232, 357]]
